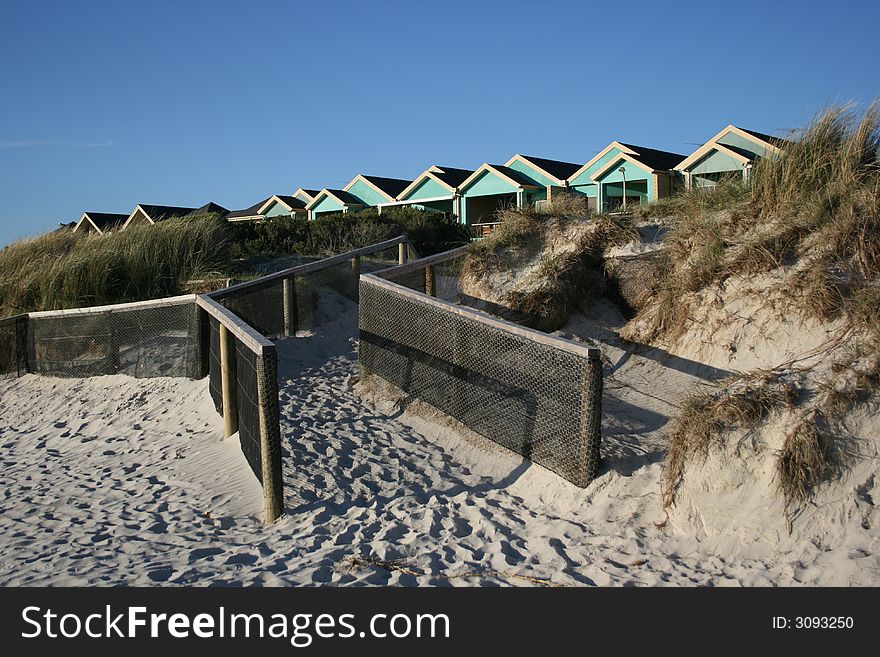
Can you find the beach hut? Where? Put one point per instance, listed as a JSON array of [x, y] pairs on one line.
[[151, 214], [551, 174], [362, 192], [373, 190], [434, 190], [248, 214], [306, 195], [623, 174], [99, 222], [329, 201], [730, 153], [283, 206], [491, 188]]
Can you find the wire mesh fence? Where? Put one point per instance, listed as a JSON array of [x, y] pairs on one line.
[[243, 383], [283, 303], [13, 345], [438, 276], [533, 393], [146, 339], [223, 335]]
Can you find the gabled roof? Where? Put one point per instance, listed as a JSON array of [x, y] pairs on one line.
[[448, 177], [253, 211], [290, 202], [101, 221], [554, 169], [655, 159], [769, 139], [774, 144], [156, 213], [311, 193], [453, 176], [598, 156], [212, 208], [512, 176], [340, 195], [388, 187], [161, 212]]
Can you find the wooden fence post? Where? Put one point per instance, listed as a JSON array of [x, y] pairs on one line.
[[227, 381], [430, 281], [356, 275], [411, 252], [289, 303], [591, 421], [401, 253], [270, 436]]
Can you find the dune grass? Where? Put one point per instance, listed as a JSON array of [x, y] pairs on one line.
[[815, 210], [563, 279], [68, 270], [816, 206]]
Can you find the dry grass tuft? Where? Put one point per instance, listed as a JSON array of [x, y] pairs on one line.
[[815, 208], [67, 270], [809, 457], [740, 403], [563, 278]]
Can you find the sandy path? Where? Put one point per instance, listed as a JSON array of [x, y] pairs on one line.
[[109, 481]]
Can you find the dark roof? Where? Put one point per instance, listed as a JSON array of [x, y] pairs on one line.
[[252, 211], [657, 160], [104, 220], [391, 186], [560, 170], [312, 192], [345, 197], [452, 176], [518, 176], [770, 139], [213, 208], [292, 201], [64, 226], [162, 212]]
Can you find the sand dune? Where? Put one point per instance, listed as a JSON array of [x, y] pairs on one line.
[[114, 480]]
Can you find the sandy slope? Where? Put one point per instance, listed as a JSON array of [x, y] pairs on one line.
[[110, 480]]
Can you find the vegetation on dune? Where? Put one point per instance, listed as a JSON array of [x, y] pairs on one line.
[[68, 270], [814, 210], [62, 269], [566, 274], [329, 234]]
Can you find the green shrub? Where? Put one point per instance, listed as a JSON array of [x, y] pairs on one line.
[[334, 233]]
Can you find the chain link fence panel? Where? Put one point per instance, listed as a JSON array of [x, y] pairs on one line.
[[13, 346], [535, 394], [141, 340]]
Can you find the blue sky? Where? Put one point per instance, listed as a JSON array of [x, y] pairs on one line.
[[108, 104]]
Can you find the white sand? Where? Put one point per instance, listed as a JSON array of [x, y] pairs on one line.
[[109, 480]]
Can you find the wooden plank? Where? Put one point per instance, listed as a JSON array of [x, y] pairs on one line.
[[424, 262], [308, 267], [241, 330], [134, 305], [485, 318]]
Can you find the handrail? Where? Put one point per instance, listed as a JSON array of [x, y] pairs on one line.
[[427, 261], [308, 267], [564, 344], [132, 305], [238, 327]]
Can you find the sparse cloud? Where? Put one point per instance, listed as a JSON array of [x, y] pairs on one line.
[[33, 143]]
